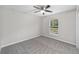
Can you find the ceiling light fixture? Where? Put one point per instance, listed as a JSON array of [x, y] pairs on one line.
[[42, 9]]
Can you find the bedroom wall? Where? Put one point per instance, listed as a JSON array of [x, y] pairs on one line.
[[0, 29], [67, 29], [77, 27], [17, 26]]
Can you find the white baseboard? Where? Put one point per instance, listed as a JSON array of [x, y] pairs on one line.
[[59, 40], [29, 39], [19, 41]]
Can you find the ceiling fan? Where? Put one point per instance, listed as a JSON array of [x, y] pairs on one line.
[[42, 9]]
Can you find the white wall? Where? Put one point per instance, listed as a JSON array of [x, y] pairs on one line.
[[77, 27], [18, 26], [0, 29], [67, 25]]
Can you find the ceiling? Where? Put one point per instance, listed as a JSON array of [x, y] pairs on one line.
[[30, 9]]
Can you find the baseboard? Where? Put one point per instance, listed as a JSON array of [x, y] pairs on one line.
[[59, 40], [29, 39], [19, 41]]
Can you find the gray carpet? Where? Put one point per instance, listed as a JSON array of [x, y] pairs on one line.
[[40, 45]]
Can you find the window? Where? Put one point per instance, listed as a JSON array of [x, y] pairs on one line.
[[54, 26]]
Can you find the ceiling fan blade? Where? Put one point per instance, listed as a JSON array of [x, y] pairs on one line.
[[48, 11], [37, 11], [36, 7], [42, 7], [47, 6]]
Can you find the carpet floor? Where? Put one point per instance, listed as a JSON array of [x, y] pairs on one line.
[[40, 45]]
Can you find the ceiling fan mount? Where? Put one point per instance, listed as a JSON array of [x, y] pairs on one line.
[[42, 9]]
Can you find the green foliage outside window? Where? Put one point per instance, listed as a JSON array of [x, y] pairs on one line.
[[54, 26]]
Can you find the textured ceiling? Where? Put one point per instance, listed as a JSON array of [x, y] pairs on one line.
[[29, 9]]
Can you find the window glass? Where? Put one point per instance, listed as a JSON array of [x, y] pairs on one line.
[[54, 26]]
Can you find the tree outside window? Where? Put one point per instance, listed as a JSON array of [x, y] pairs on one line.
[[54, 26]]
